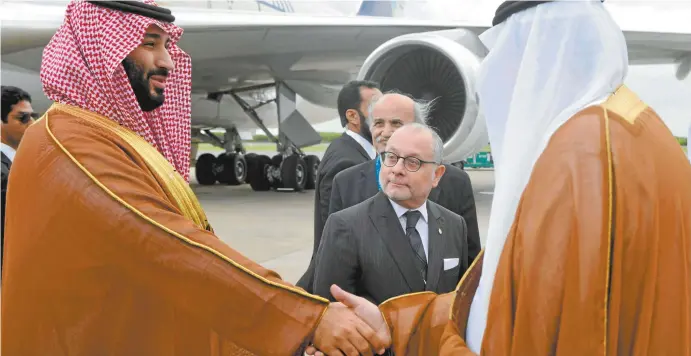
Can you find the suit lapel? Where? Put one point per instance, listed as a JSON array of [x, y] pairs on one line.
[[368, 180], [6, 160], [354, 144], [435, 244], [386, 223]]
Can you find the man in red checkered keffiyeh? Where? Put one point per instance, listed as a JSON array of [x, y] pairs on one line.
[[126, 67], [107, 250]]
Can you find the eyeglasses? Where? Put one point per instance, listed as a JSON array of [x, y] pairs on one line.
[[412, 164], [25, 117]]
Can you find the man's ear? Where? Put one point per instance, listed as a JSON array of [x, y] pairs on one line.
[[353, 117], [438, 173]]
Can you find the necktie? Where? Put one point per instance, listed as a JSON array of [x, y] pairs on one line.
[[377, 168], [412, 217]]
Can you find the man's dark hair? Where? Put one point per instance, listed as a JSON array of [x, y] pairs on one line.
[[350, 98], [10, 97]]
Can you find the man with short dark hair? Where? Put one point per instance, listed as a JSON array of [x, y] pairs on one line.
[[17, 115], [350, 149]]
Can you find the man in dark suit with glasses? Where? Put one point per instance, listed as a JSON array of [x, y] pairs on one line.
[[386, 114], [17, 116], [398, 241]]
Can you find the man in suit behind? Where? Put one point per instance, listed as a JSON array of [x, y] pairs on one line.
[[356, 184], [350, 149], [398, 241], [17, 115]]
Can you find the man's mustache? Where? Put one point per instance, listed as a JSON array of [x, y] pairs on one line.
[[160, 71], [397, 181]]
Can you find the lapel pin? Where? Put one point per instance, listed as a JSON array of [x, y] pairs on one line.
[[439, 231]]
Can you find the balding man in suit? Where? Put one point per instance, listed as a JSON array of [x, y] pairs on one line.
[[356, 184]]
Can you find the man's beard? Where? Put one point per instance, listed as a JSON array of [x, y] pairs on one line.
[[364, 128], [141, 85]]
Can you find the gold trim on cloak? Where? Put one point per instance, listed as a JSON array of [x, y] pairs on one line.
[[625, 103], [180, 192], [610, 212], [185, 239]]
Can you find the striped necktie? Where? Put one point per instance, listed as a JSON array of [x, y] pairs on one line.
[[412, 217]]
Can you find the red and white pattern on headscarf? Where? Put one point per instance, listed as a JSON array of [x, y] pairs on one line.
[[82, 66]]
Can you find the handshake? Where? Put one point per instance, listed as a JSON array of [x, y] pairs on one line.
[[353, 326]]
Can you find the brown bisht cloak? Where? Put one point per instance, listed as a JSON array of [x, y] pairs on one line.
[[109, 252], [598, 259]]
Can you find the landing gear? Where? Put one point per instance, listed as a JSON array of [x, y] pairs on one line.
[[258, 172], [204, 169], [289, 169], [231, 169], [227, 168], [294, 173]]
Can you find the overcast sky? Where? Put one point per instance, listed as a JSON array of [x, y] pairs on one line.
[[656, 84]]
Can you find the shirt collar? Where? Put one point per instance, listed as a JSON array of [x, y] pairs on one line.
[[8, 151], [363, 142], [401, 210]]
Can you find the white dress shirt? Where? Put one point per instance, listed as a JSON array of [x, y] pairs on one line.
[[363, 142], [8, 151], [421, 225]]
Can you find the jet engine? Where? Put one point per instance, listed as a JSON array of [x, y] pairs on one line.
[[439, 66]]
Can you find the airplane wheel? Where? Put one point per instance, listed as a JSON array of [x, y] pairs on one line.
[[232, 169], [251, 159], [312, 162], [294, 173], [259, 182], [204, 169], [276, 160]]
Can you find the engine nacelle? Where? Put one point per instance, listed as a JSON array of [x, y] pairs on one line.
[[439, 65]]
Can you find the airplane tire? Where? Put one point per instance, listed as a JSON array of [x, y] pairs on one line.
[[232, 169], [204, 169], [312, 162], [294, 173], [259, 182], [251, 159], [276, 160]]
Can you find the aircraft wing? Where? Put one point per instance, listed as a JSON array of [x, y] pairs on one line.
[[313, 55]]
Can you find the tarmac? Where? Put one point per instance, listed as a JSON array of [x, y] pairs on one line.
[[275, 228]]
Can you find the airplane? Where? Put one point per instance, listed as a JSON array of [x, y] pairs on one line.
[[281, 63]]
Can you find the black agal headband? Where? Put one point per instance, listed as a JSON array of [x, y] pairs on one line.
[[508, 8], [138, 8]]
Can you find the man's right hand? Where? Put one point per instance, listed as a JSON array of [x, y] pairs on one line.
[[341, 332], [366, 311]]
